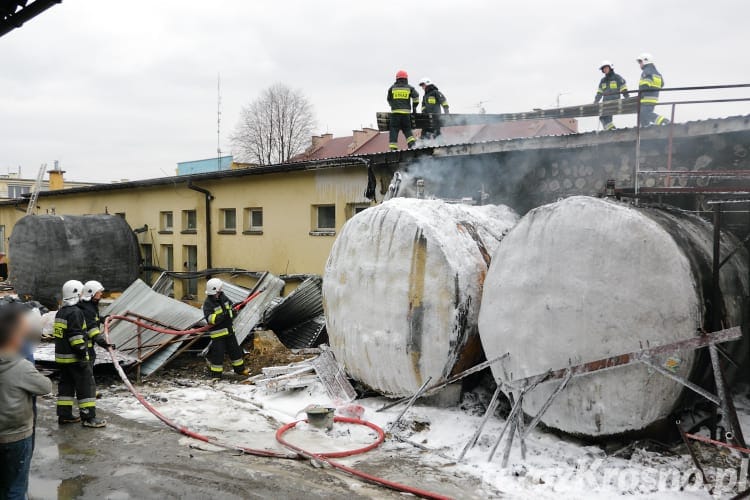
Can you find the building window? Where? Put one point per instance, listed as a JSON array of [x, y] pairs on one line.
[[189, 221], [324, 220], [253, 221], [166, 222], [190, 256], [167, 257], [353, 209], [147, 252], [228, 220], [16, 190]]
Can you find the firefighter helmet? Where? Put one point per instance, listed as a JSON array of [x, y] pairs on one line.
[[645, 58], [213, 286], [606, 62], [91, 288], [402, 74], [71, 292], [425, 81]]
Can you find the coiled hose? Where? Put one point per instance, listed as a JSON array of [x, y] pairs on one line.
[[297, 451]]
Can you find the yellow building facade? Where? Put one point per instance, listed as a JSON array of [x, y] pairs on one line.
[[260, 219]]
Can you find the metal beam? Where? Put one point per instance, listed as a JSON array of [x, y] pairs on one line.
[[17, 19], [719, 337]]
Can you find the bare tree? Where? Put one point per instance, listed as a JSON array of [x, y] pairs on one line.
[[274, 127]]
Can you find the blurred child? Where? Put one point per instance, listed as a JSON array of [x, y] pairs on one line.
[[19, 383]]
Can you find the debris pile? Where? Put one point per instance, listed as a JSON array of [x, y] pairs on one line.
[[323, 368]]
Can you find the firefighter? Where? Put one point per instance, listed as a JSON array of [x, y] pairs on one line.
[[219, 314], [72, 358], [651, 81], [433, 102], [89, 304], [610, 88], [403, 99]]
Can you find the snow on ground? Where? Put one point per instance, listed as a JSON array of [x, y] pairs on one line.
[[554, 467]]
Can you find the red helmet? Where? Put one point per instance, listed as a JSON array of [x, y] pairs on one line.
[[402, 74]]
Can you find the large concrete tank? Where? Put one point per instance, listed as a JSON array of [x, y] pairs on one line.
[[47, 250], [586, 278], [402, 289]]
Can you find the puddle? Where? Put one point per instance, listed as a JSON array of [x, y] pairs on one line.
[[56, 489]]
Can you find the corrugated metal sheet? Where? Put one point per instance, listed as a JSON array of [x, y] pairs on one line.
[[155, 348], [252, 313], [298, 319], [307, 334]]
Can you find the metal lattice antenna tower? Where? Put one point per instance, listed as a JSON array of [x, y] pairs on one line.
[[218, 121]]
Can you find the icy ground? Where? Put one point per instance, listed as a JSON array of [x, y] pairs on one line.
[[554, 467]]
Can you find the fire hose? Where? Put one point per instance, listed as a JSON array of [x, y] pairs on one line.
[[297, 451]]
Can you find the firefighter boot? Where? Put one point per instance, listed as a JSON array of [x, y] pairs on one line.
[[88, 419]]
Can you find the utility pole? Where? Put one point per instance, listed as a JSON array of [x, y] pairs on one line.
[[218, 121]]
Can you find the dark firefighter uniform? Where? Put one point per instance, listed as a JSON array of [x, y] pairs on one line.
[[403, 99], [610, 88], [94, 324], [219, 314], [433, 102], [72, 358], [651, 81]]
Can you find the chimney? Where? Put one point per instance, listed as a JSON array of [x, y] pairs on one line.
[[360, 137], [56, 179], [319, 140]]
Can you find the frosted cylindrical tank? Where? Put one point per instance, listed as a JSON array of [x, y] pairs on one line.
[[402, 288], [47, 250], [586, 278]]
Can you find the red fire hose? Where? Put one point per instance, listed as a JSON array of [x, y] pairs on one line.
[[298, 452], [326, 457]]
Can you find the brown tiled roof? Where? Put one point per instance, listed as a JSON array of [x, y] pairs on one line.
[[343, 146]]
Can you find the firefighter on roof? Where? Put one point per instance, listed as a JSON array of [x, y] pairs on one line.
[[650, 83], [433, 102], [610, 88], [403, 99]]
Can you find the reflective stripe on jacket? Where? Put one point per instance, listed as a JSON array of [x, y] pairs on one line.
[[402, 97], [610, 87], [650, 79], [218, 312], [70, 334], [433, 100]]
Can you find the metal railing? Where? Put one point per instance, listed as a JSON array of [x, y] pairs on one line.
[[668, 172]]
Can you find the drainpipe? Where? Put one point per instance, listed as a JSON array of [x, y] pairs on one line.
[[208, 197]]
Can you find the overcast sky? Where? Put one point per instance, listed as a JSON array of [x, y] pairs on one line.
[[127, 88]]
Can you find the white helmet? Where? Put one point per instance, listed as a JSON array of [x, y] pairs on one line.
[[425, 81], [71, 292], [646, 58], [213, 286], [90, 289], [607, 62]]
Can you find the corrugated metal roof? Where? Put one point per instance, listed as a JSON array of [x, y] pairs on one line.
[[155, 348]]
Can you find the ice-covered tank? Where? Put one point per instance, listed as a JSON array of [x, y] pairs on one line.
[[47, 250], [402, 288], [587, 278]]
